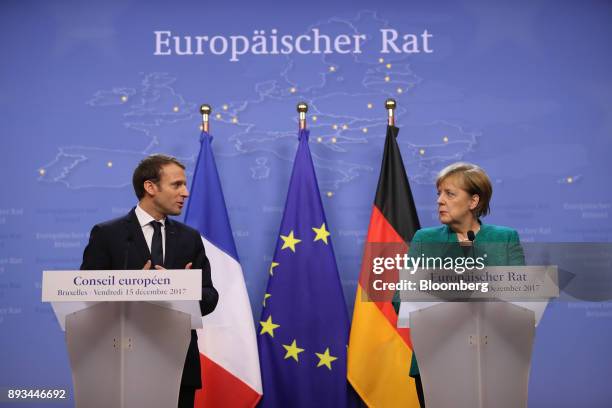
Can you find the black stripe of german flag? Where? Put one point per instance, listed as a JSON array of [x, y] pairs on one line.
[[393, 195]]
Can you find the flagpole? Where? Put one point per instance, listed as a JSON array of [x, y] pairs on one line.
[[205, 110], [302, 108], [390, 105]]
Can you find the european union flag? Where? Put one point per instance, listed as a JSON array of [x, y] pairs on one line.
[[303, 332]]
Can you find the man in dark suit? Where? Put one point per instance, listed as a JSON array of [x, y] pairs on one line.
[[146, 238]]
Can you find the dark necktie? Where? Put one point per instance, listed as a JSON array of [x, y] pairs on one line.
[[157, 252]]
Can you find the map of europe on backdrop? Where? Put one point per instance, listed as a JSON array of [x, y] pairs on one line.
[[345, 94]]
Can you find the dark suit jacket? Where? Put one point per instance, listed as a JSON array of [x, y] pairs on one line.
[[120, 244]]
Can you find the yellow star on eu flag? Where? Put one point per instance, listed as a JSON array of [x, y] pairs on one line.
[[322, 233], [289, 241], [268, 326], [325, 359], [266, 296], [292, 351], [272, 266]]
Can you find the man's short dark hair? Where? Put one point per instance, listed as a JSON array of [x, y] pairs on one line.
[[150, 169]]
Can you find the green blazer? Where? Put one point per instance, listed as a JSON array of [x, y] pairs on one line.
[[500, 244]]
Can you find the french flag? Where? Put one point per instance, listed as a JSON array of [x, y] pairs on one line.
[[227, 343]]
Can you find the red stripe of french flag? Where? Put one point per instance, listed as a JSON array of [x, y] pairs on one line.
[[228, 346]]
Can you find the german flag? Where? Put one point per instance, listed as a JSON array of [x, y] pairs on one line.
[[379, 354]]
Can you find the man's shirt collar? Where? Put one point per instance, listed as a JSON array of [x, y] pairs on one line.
[[144, 218]]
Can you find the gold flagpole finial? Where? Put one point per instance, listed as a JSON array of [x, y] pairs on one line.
[[390, 105], [205, 110], [302, 108]]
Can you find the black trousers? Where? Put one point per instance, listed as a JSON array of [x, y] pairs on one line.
[[186, 397]]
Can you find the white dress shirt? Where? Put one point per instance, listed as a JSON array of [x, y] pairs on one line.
[[144, 218]]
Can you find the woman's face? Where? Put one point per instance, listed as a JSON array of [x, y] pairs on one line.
[[454, 204]]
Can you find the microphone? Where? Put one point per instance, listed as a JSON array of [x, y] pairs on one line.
[[471, 236], [468, 246], [126, 254]]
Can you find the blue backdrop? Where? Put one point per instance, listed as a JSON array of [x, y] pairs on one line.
[[522, 88]]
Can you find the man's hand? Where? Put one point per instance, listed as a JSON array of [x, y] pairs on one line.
[[158, 267]]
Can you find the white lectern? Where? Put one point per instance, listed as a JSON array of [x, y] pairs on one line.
[[477, 354], [124, 353]]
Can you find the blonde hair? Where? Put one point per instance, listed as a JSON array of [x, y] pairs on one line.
[[471, 179]]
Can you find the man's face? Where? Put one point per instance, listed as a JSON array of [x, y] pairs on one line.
[[170, 193]]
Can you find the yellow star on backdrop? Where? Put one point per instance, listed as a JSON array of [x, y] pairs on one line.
[[266, 296], [268, 326], [272, 266], [292, 351], [322, 233], [325, 359], [289, 241]]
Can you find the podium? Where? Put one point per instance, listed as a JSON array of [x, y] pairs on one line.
[[474, 354], [477, 354], [125, 353]]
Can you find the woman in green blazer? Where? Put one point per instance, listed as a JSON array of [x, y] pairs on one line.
[[464, 193]]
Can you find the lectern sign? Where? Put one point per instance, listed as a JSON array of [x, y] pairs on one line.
[[98, 286]]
